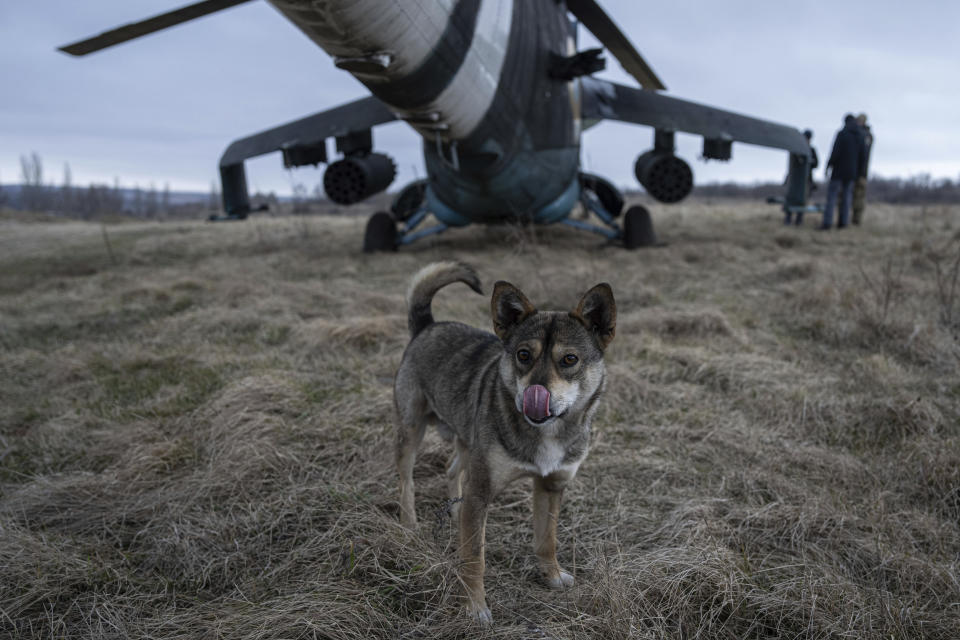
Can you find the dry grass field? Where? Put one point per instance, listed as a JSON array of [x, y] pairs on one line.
[[196, 433]]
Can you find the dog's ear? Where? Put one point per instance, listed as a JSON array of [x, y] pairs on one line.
[[509, 308], [598, 313]]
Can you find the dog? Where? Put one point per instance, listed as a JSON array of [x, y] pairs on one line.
[[515, 404]]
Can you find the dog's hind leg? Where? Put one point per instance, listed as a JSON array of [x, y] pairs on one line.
[[411, 425], [546, 509]]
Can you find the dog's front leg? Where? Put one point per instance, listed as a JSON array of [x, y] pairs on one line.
[[455, 475], [473, 524], [547, 493]]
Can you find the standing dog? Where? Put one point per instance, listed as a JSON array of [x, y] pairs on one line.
[[515, 404]]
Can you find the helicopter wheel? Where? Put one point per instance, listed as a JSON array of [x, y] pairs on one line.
[[638, 228], [381, 233]]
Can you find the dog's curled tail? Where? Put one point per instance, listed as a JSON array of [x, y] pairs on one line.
[[427, 282]]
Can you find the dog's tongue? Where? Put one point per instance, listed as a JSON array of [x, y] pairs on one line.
[[536, 402]]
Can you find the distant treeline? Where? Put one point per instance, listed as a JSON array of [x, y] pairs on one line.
[[919, 189], [34, 193], [98, 200]]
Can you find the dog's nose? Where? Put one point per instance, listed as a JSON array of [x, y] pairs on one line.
[[536, 402]]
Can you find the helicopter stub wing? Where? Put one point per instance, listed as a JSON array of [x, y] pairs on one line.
[[604, 100], [302, 142], [359, 115]]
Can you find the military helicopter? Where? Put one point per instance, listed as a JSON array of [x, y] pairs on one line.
[[500, 95]]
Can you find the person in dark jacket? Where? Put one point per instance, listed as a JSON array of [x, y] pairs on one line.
[[811, 185], [846, 159]]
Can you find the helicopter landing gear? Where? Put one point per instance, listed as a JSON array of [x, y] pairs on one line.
[[381, 233], [638, 228], [409, 210], [602, 199]]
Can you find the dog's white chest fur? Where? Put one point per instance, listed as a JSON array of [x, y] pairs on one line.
[[549, 458]]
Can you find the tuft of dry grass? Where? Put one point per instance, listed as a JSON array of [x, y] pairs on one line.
[[196, 433]]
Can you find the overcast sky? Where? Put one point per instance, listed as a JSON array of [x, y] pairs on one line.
[[163, 108]]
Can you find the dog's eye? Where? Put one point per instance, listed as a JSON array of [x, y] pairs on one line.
[[523, 355], [569, 360]]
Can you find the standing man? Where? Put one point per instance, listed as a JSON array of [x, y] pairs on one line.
[[811, 185], [845, 161], [814, 162], [860, 188]]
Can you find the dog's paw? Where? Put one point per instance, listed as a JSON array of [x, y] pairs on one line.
[[480, 614], [562, 581], [409, 520]]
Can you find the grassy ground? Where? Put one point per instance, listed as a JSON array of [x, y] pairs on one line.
[[196, 436]]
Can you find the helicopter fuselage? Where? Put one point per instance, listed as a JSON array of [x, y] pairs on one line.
[[501, 136]]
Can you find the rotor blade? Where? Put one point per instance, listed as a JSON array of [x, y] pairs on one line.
[[148, 26], [607, 32]]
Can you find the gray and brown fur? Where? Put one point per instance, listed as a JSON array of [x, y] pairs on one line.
[[471, 383]]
